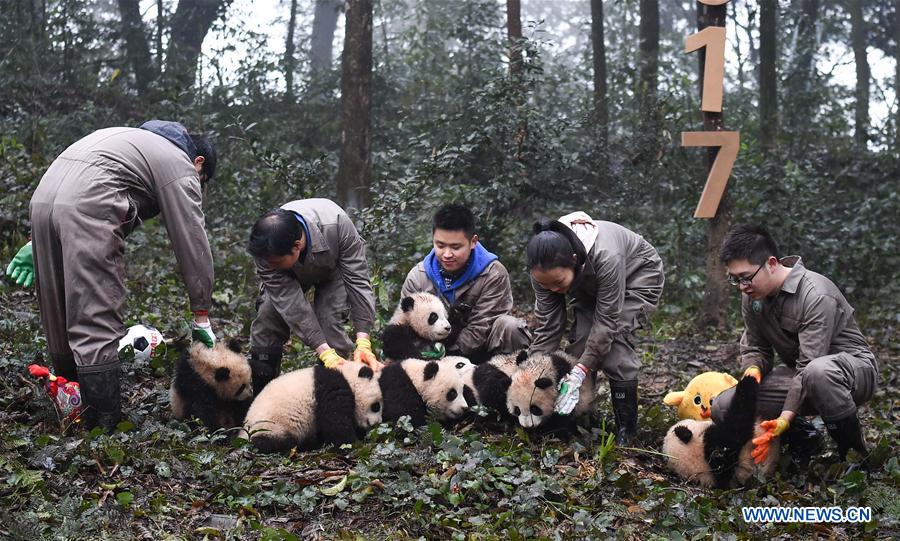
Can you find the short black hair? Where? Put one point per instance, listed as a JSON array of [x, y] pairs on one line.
[[207, 149], [552, 246], [274, 234], [454, 217], [748, 241]]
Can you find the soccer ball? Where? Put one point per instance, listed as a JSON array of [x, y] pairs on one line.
[[143, 339]]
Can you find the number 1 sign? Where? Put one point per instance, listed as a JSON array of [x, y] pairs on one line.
[[712, 40]]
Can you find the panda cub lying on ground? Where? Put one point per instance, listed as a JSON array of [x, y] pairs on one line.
[[315, 406], [487, 384], [535, 385], [718, 455], [414, 387], [419, 324], [212, 384]]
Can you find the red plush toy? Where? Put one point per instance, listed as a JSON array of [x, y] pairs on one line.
[[66, 395]]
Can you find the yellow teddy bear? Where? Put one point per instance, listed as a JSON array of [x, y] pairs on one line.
[[695, 401]]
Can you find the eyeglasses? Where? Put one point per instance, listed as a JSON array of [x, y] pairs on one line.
[[734, 280]]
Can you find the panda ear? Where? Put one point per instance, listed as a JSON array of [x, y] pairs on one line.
[[684, 434], [222, 374], [234, 345], [366, 373], [543, 383], [431, 370], [407, 304], [522, 356]]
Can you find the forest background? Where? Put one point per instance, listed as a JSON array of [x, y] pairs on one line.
[[391, 107]]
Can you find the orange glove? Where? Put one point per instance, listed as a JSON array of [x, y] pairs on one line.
[[755, 372], [363, 354], [773, 429]]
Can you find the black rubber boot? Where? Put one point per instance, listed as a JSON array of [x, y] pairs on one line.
[[624, 403], [265, 365], [847, 434], [803, 439], [101, 398], [64, 366]]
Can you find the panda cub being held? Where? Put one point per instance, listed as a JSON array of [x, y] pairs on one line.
[[419, 324], [535, 386], [212, 384], [718, 455], [414, 387], [315, 406]]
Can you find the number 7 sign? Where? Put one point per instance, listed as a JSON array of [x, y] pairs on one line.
[[729, 144]]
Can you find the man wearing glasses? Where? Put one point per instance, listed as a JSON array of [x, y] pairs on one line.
[[89, 200], [826, 367]]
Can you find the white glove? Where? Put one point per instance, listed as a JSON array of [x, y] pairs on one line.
[[202, 332], [568, 390]]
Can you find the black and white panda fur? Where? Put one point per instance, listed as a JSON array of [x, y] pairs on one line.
[[718, 455], [212, 384], [533, 390], [315, 406], [419, 321], [486, 384], [414, 387]]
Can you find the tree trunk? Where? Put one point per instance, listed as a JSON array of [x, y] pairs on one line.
[[768, 77], [137, 50], [601, 109], [289, 60], [648, 66], [354, 177], [322, 39], [897, 73], [858, 39], [715, 294], [801, 100], [160, 21], [190, 24], [516, 73]]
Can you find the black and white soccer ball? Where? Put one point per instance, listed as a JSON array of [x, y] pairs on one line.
[[142, 339]]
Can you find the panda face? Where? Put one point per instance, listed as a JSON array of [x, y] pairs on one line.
[[440, 386], [464, 366], [683, 446], [366, 392], [426, 314], [224, 370], [532, 394]]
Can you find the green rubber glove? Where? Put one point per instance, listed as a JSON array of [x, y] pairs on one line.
[[203, 333], [21, 268]]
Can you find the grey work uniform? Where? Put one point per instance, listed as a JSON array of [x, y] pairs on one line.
[[490, 327], [827, 367], [89, 200], [334, 265], [618, 286]]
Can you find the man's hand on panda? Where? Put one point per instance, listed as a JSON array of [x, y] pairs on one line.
[[363, 353], [330, 358], [201, 330], [773, 428], [569, 390]]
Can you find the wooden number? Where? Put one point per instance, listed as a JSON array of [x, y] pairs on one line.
[[713, 38], [728, 143], [713, 2]]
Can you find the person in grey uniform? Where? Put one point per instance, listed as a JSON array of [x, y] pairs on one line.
[[826, 367], [614, 279], [472, 283], [309, 244], [89, 200]]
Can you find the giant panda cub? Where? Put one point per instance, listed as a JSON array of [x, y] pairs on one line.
[[534, 387], [419, 323], [718, 455], [212, 384], [486, 384], [315, 406], [414, 387]]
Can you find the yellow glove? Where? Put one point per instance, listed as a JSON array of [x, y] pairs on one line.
[[330, 358], [755, 372], [773, 429], [363, 354]]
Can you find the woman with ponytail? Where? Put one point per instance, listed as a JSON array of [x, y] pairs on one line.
[[614, 279]]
